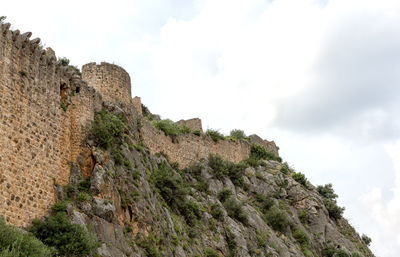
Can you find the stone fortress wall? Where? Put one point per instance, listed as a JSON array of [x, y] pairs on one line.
[[44, 107], [45, 110]]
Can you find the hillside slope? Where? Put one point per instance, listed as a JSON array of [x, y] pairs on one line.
[[139, 204]]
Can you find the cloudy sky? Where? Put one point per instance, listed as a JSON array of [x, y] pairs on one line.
[[319, 77]]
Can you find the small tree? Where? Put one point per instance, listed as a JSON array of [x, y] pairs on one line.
[[366, 239]]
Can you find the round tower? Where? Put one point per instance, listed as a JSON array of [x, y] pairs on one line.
[[111, 81]]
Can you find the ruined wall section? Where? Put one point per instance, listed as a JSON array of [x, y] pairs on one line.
[[37, 136], [110, 80], [190, 148]]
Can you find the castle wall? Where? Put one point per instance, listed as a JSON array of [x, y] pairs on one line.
[[110, 80], [190, 148], [38, 138]]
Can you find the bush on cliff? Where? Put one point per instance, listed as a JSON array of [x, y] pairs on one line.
[[68, 239], [237, 134], [15, 243], [107, 129], [259, 152], [221, 168], [170, 128], [329, 199], [215, 135]]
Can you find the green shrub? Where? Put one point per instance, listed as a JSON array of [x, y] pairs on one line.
[[235, 210], [266, 202], [259, 152], [209, 252], [215, 135], [253, 162], [328, 251], [236, 172], [341, 253], [191, 212], [300, 178], [238, 134], [83, 197], [218, 166], [327, 192], [221, 168], [84, 185], [15, 243], [303, 217], [224, 194], [170, 128], [60, 207], [150, 246], [329, 199], [302, 238], [68, 239], [334, 210], [107, 128], [128, 164], [366, 239], [277, 219], [202, 185], [216, 212], [169, 185], [285, 168], [196, 132]]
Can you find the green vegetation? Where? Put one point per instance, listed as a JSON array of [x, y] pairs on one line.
[[63, 106], [150, 246], [23, 73], [66, 238], [16, 243], [265, 202], [170, 186], [215, 135], [147, 114], [222, 168], [366, 239], [2, 19], [216, 211], [170, 128], [302, 238], [107, 129], [259, 152], [285, 168], [65, 62], [303, 217], [209, 252], [224, 194], [235, 210], [300, 178], [329, 199], [277, 219], [237, 134]]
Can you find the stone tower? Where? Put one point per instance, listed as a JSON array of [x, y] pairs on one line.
[[110, 80]]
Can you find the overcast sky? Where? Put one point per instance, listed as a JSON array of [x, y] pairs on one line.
[[319, 77]]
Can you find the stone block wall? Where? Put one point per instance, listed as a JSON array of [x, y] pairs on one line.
[[110, 80], [38, 138], [188, 148], [194, 124]]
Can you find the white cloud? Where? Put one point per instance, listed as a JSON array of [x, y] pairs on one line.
[[387, 213]]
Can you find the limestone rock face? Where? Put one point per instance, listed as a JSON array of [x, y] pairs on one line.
[[132, 216]]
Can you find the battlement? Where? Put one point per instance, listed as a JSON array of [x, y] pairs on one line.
[[110, 80]]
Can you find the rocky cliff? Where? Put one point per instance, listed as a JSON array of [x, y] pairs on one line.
[[140, 204]]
